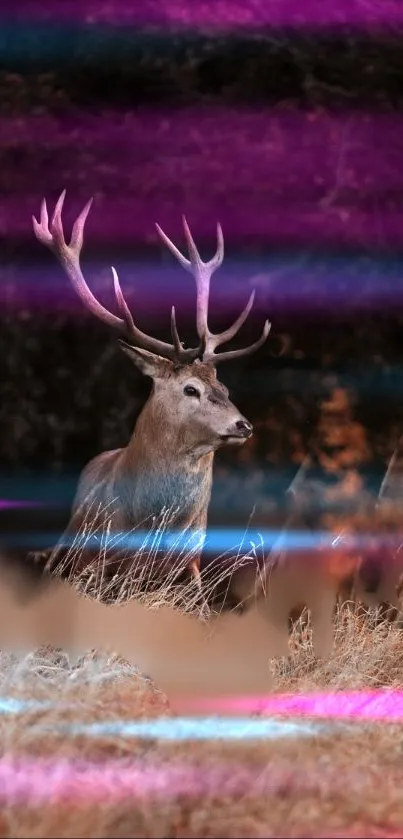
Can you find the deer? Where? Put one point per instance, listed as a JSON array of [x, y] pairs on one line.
[[168, 461]]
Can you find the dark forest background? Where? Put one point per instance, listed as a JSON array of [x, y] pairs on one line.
[[157, 120]]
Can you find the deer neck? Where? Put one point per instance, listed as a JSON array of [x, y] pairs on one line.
[[158, 440], [165, 470]]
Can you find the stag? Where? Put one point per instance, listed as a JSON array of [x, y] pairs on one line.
[[168, 461]]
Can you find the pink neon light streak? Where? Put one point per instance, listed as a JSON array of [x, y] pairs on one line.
[[33, 781], [385, 705]]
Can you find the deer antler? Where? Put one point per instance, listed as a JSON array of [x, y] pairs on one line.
[[52, 235], [202, 272], [69, 256]]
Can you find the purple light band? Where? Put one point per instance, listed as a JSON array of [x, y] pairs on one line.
[[223, 14], [150, 290], [268, 176], [6, 504]]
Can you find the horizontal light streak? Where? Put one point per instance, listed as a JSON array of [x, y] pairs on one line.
[[273, 178], [34, 781], [216, 540], [312, 285], [384, 705], [180, 729], [222, 16], [360, 706], [6, 504]]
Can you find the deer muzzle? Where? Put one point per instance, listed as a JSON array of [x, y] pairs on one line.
[[240, 431]]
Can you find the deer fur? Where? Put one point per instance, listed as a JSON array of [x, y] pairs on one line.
[[168, 461]]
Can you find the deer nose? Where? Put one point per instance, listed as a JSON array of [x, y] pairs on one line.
[[244, 427]]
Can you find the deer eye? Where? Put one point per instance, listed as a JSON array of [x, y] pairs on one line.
[[189, 390]]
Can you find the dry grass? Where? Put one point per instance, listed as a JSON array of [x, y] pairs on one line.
[[343, 782], [116, 570], [368, 653]]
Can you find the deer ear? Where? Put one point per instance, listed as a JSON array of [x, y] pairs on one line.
[[147, 362]]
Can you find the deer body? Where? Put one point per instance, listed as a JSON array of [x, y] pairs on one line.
[[130, 494], [168, 462], [135, 483], [142, 487]]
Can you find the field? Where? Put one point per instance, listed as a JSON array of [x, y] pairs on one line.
[[98, 753]]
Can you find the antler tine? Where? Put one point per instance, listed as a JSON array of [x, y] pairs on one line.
[[231, 355], [181, 355], [195, 257], [122, 305], [228, 334], [69, 256], [176, 252], [174, 333], [202, 272]]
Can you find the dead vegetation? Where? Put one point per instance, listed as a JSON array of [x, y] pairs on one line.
[[343, 781], [147, 563]]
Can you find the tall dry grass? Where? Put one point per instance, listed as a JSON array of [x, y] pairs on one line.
[[107, 567]]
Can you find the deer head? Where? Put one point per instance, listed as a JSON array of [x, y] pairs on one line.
[[186, 391]]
